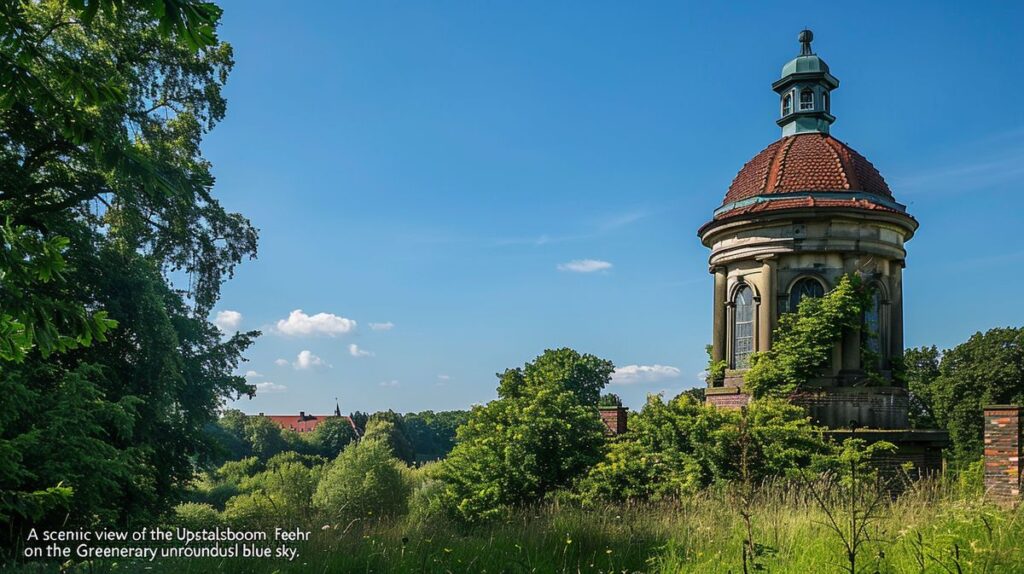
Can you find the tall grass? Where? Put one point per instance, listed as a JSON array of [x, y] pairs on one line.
[[933, 527]]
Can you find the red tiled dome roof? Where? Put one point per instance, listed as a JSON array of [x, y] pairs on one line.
[[808, 162]]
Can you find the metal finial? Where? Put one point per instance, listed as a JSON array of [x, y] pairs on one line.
[[805, 38]]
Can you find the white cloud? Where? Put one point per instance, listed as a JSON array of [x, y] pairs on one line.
[[253, 375], [634, 374], [585, 266], [355, 351], [386, 326], [444, 377], [269, 387], [228, 320], [281, 362], [307, 360], [389, 383], [299, 323]]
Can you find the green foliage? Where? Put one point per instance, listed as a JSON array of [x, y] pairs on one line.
[[715, 369], [541, 434], [986, 369], [432, 434], [609, 400], [264, 437], [387, 428], [921, 369], [196, 516], [803, 342], [364, 481], [583, 375], [105, 195], [331, 436], [675, 448]]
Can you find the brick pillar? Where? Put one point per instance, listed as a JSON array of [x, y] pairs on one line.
[[614, 418], [1003, 450]]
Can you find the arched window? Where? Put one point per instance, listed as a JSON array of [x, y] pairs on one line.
[[825, 102], [806, 100], [742, 327], [806, 287], [787, 104]]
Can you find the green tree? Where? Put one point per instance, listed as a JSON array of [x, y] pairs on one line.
[[986, 369], [541, 434], [432, 434], [921, 369], [331, 436], [264, 437], [365, 481], [386, 428], [583, 375], [101, 119], [609, 400]]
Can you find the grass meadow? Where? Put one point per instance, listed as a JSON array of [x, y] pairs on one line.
[[934, 527]]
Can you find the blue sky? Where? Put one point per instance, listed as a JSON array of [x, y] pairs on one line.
[[435, 168]]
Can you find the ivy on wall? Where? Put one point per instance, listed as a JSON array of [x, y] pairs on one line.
[[803, 342]]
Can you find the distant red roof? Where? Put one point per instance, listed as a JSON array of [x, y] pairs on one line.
[[811, 162], [304, 422]]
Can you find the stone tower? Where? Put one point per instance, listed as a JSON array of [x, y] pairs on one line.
[[802, 213]]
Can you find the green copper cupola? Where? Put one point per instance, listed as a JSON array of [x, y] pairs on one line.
[[804, 92]]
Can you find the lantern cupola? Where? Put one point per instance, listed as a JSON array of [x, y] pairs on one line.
[[805, 92]]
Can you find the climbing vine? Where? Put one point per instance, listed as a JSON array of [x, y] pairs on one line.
[[803, 342]]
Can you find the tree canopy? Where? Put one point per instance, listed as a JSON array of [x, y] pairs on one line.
[[109, 370]]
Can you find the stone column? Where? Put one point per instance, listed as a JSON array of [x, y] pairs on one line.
[[766, 310], [896, 309], [718, 333], [1003, 453]]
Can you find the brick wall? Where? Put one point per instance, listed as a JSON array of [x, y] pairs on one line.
[[614, 418], [1003, 453], [729, 401]]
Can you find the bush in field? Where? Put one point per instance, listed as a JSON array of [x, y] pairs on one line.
[[196, 516], [252, 510], [426, 504], [677, 447], [541, 434], [365, 480]]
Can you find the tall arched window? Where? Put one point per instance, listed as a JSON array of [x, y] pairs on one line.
[[742, 327], [806, 100], [787, 105], [825, 102], [806, 287]]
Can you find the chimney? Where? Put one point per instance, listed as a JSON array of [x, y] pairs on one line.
[[614, 419], [261, 414], [302, 414], [1004, 451]]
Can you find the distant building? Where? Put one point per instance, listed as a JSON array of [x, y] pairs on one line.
[[303, 423]]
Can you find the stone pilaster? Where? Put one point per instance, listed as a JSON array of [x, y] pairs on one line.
[[1003, 451], [766, 310], [896, 309], [719, 318]]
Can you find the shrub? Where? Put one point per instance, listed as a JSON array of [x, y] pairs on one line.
[[252, 511], [426, 504], [678, 447], [196, 516], [365, 480]]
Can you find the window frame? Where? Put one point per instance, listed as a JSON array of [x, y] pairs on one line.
[[808, 105], [734, 323]]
